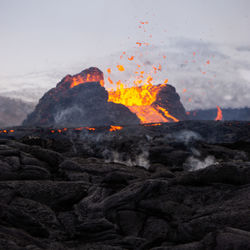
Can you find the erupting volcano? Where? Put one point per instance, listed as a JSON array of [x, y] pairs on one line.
[[141, 100], [81, 100]]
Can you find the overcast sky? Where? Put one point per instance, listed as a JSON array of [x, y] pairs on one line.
[[41, 35]]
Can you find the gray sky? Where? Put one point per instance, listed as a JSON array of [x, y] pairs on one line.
[[42, 35]]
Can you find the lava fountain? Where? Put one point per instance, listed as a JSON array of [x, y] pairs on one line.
[[139, 98]]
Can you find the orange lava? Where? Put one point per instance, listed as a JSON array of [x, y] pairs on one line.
[[87, 128], [120, 67], [135, 96], [153, 124], [76, 80], [7, 131], [79, 129], [147, 114], [166, 114], [219, 114], [115, 128], [139, 99], [90, 129], [110, 81]]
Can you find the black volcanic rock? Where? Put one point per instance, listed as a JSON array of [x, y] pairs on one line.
[[69, 200], [82, 105], [169, 99]]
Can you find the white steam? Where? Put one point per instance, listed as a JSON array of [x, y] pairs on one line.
[[184, 136], [140, 160], [194, 163], [64, 115]]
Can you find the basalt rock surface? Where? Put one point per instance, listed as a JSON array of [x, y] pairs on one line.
[[174, 186]]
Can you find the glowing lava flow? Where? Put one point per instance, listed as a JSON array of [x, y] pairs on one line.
[[115, 128], [219, 114], [93, 76], [166, 113], [134, 96], [147, 114], [7, 131], [139, 100], [86, 128], [76, 80]]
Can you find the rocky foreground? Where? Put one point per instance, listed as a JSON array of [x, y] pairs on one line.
[[175, 186]]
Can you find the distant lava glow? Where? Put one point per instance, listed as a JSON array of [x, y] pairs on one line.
[[115, 128], [219, 114]]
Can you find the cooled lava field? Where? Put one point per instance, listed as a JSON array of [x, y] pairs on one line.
[[182, 185]]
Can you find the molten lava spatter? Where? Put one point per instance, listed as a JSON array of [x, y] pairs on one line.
[[135, 96], [140, 95]]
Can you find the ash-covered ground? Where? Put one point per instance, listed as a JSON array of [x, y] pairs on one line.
[[182, 185]]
